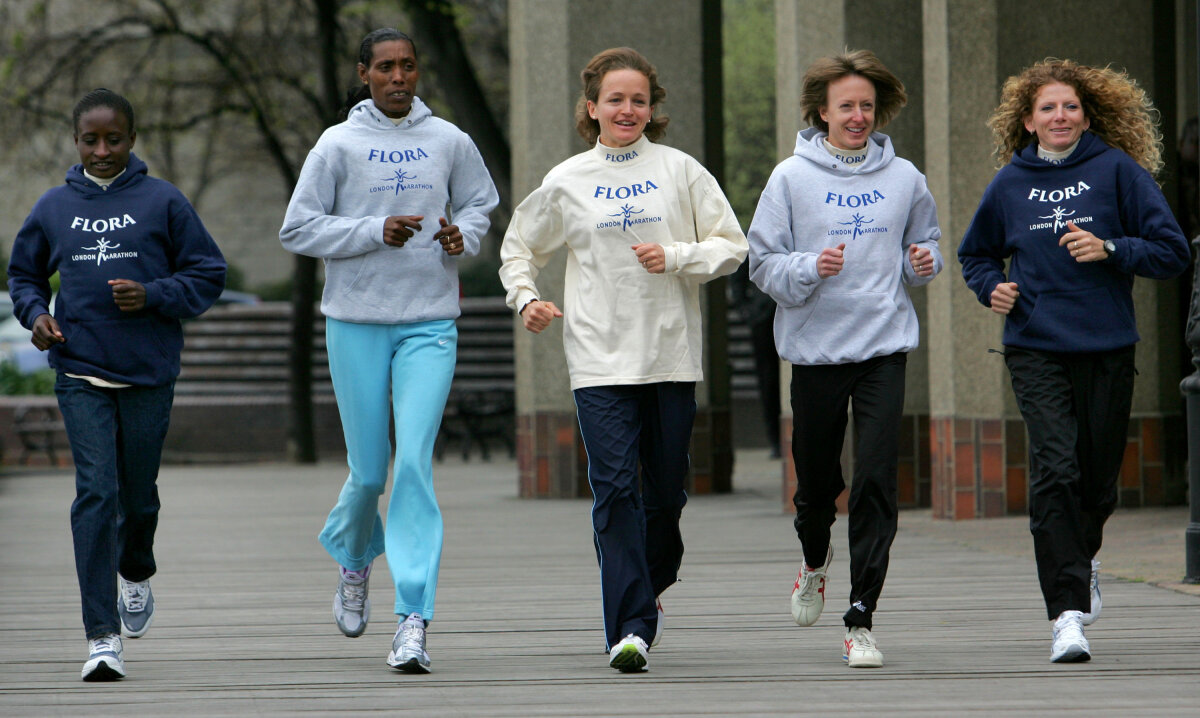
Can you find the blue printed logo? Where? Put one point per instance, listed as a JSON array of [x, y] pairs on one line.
[[627, 216]]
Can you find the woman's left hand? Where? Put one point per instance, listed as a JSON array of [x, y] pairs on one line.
[[450, 238], [1084, 246], [652, 257], [130, 296], [921, 260]]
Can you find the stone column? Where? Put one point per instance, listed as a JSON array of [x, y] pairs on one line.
[[550, 42], [805, 31]]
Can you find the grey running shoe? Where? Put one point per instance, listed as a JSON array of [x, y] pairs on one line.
[[1097, 602], [351, 609], [105, 659], [1070, 646], [408, 647], [135, 606]]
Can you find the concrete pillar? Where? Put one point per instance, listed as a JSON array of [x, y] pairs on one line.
[[978, 440], [550, 42], [805, 31]]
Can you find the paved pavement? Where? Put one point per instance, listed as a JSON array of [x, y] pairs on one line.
[[244, 589]]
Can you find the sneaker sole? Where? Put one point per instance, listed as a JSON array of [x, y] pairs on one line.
[[629, 660], [103, 671], [863, 662], [1076, 655], [801, 614], [412, 665]]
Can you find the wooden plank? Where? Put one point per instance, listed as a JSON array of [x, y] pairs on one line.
[[244, 590]]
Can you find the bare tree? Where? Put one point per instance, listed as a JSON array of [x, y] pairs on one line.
[[223, 84]]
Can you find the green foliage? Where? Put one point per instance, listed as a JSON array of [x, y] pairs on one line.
[[749, 66], [480, 279], [235, 278], [14, 383]]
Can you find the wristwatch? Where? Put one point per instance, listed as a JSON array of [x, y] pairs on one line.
[[1110, 247]]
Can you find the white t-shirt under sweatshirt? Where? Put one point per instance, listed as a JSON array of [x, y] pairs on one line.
[[624, 325]]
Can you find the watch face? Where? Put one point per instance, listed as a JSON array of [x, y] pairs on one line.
[[1110, 247]]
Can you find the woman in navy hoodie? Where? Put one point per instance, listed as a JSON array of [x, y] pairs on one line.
[[133, 259], [1077, 214]]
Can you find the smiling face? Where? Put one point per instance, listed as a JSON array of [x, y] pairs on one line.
[[1057, 117], [104, 141], [622, 107], [849, 110], [392, 76]]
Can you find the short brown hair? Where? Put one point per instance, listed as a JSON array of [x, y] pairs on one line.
[[889, 91], [617, 58]]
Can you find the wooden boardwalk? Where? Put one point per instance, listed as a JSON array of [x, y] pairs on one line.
[[243, 622]]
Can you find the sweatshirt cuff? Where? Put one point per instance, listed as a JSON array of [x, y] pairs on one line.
[[524, 296], [671, 258], [154, 295]]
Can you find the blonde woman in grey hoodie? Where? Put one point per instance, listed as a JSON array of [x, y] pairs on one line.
[[841, 231], [371, 202]]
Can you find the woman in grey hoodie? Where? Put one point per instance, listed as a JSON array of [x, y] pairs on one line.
[[843, 227], [370, 202]]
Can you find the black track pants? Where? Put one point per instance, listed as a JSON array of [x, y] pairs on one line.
[[1076, 409]]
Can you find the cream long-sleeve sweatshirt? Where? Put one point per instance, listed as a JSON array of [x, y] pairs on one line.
[[624, 325]]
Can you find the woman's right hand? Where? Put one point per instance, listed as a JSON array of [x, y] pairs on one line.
[[1004, 297], [46, 332], [399, 229], [537, 315], [830, 262]]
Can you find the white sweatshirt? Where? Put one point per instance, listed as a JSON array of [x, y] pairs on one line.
[[624, 325]]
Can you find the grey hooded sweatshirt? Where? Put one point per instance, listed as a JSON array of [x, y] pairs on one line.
[[878, 208], [361, 172]]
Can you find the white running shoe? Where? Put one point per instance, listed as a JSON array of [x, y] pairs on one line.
[[408, 647], [1097, 602], [859, 649], [631, 655], [135, 606], [1070, 645], [808, 594], [106, 660], [351, 608], [658, 630]]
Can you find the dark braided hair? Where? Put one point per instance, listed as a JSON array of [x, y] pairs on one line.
[[366, 51], [101, 97]]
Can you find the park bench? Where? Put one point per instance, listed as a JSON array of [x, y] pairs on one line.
[[242, 350]]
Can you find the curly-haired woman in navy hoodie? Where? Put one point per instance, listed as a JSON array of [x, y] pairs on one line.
[[133, 259], [1077, 215]]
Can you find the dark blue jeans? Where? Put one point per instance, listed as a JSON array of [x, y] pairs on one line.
[[116, 438]]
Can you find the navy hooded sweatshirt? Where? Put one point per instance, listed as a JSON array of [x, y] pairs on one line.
[[1064, 305], [140, 228]]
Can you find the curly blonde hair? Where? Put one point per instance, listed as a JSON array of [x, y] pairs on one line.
[[1119, 111], [618, 58]]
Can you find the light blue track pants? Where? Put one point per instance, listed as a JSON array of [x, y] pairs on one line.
[[416, 361]]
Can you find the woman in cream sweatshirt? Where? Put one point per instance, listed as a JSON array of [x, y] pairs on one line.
[[645, 225]]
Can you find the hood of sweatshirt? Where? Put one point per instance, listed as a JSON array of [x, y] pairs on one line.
[[1089, 146], [366, 114], [134, 172], [810, 145]]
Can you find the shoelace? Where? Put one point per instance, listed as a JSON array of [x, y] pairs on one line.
[[135, 595], [412, 637], [105, 643], [1069, 627], [862, 639], [353, 595]]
